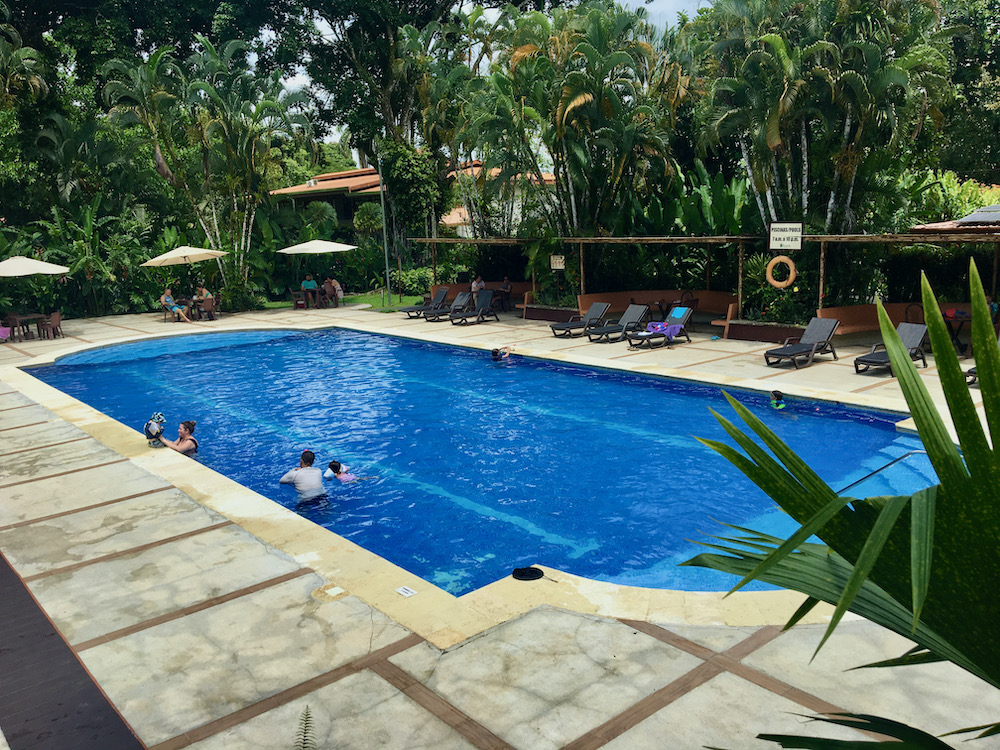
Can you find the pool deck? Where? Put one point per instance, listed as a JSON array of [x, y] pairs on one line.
[[210, 617]]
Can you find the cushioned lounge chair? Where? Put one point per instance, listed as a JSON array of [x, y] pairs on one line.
[[579, 326], [912, 336], [415, 311], [970, 374], [661, 334], [816, 339], [484, 310], [616, 331], [442, 313]]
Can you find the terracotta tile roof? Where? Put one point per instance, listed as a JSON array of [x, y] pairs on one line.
[[349, 181]]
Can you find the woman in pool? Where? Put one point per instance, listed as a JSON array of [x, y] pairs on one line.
[[185, 442]]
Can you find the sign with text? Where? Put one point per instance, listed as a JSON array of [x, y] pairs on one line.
[[785, 235], [557, 262]]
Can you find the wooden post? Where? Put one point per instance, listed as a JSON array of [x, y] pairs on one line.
[[434, 263], [822, 272], [996, 254], [708, 267], [739, 285], [583, 284]]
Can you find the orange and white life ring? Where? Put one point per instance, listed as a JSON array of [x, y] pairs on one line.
[[791, 272]]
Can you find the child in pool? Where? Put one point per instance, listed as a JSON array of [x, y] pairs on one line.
[[777, 400], [340, 472], [154, 429]]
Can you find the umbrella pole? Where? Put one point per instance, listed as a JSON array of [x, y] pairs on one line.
[[385, 231]]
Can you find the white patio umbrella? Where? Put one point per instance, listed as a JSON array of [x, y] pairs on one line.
[[314, 247], [184, 254], [19, 265]]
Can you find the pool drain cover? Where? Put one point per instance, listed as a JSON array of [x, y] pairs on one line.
[[528, 574]]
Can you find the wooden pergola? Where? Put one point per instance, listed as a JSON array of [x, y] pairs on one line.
[[932, 235]]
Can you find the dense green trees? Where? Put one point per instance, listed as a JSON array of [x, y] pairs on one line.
[[586, 119]]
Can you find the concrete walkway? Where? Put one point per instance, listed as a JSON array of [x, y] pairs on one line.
[[211, 618]]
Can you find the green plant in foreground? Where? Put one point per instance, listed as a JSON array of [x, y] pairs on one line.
[[305, 735], [923, 565]]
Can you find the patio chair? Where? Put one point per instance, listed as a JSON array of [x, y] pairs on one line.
[[207, 307], [912, 335], [51, 326], [331, 294], [415, 311], [577, 326], [661, 334], [484, 309], [443, 313], [298, 299], [816, 339], [630, 321]]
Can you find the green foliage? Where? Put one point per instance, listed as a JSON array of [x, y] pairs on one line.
[[368, 219], [305, 735], [922, 566], [240, 297], [414, 281], [412, 192]]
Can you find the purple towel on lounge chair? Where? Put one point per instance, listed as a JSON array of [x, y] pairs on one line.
[[668, 330]]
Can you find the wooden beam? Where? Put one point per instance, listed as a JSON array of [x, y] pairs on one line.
[[822, 273]]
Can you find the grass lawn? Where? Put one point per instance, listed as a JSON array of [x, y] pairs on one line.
[[375, 300]]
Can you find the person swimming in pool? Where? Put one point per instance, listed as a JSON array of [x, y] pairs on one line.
[[185, 442], [341, 473], [307, 479], [501, 353], [777, 400]]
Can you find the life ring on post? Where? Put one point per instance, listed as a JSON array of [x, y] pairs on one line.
[[791, 272]]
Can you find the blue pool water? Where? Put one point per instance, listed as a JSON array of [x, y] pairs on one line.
[[479, 467]]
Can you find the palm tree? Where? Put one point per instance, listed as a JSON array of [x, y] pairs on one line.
[[20, 68]]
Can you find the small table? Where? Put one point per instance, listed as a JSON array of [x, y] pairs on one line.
[[954, 331], [35, 318]]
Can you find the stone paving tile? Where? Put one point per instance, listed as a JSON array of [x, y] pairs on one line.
[[718, 638], [360, 712], [910, 694], [546, 678], [43, 463], [20, 417], [89, 534], [184, 673], [33, 436], [726, 712], [104, 597], [79, 489], [13, 400]]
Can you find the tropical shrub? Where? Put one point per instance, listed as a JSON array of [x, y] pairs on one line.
[[923, 565]]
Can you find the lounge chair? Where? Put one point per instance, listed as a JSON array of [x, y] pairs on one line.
[[630, 321], [415, 311], [442, 313], [816, 339], [912, 335], [661, 334], [579, 325], [484, 309], [970, 374]]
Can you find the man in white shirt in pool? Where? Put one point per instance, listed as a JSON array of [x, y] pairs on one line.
[[307, 480]]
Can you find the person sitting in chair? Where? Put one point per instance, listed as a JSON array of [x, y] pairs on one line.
[[309, 287], [200, 295], [167, 300]]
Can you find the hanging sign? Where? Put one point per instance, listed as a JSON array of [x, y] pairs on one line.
[[785, 235], [557, 262]]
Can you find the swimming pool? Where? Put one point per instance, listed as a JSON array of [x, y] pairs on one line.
[[479, 467]]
